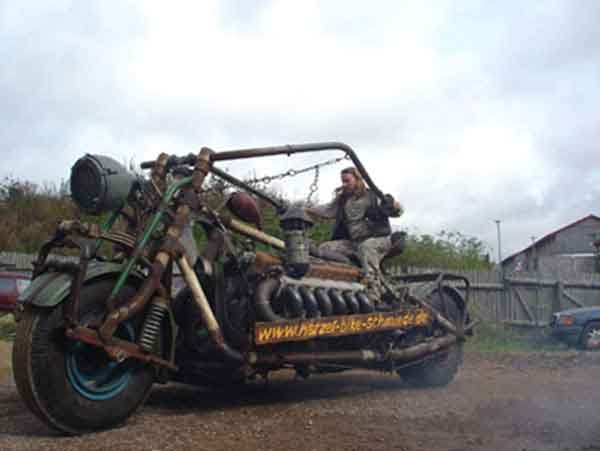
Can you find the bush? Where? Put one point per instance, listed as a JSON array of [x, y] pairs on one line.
[[7, 327]]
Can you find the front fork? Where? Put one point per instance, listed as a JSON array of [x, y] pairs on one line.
[[171, 249]]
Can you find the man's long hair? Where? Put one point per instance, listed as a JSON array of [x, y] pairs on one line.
[[361, 187]]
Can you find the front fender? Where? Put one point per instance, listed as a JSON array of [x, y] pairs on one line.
[[51, 288]]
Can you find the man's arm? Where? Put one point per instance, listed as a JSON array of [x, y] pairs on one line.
[[324, 211]]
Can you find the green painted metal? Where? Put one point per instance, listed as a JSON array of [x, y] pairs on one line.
[[148, 233], [106, 226], [50, 289]]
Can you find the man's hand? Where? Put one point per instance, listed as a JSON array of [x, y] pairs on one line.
[[390, 206]]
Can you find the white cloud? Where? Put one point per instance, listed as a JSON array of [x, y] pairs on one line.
[[467, 112]]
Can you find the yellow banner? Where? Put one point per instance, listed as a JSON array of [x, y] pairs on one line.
[[332, 326]]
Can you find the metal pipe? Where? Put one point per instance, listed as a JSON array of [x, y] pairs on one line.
[[156, 220], [356, 357], [298, 148], [207, 314], [251, 232], [416, 351], [118, 350], [262, 300]]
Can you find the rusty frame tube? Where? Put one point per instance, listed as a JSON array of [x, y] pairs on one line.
[[446, 325], [135, 305], [71, 311], [208, 316], [422, 349], [118, 350], [355, 357], [298, 148], [152, 283], [437, 279], [252, 232]]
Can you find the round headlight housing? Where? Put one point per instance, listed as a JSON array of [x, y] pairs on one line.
[[100, 184]]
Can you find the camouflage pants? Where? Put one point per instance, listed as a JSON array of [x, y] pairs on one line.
[[370, 251]]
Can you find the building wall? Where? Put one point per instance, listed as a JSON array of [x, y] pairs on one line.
[[550, 253], [566, 266], [578, 239]]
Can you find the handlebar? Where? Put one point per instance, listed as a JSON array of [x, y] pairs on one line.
[[173, 160]]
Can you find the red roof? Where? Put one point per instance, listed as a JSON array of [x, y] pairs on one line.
[[552, 235]]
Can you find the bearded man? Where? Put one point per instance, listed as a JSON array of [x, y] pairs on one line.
[[362, 225]]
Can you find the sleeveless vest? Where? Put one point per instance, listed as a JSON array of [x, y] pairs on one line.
[[378, 223]]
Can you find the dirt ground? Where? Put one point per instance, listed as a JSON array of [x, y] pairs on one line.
[[497, 402]]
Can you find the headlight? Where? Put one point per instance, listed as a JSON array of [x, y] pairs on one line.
[[100, 184]]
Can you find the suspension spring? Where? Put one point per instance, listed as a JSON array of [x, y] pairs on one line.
[[152, 324]]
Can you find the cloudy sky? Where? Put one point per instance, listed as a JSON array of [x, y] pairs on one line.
[[467, 111]]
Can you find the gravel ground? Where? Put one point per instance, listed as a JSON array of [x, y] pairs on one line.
[[497, 402]]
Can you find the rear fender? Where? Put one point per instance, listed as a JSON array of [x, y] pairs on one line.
[[451, 292], [425, 290]]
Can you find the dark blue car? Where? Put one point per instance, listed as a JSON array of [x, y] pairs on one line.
[[578, 327]]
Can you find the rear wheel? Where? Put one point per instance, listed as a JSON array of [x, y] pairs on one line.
[[590, 337], [72, 386], [440, 369]]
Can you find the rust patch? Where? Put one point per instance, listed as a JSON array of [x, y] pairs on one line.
[[322, 271]]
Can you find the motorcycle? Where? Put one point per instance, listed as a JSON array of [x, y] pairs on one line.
[[94, 335]]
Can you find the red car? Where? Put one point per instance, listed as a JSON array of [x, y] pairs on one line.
[[11, 285]]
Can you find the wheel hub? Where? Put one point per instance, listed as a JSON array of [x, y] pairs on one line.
[[593, 339], [92, 374]]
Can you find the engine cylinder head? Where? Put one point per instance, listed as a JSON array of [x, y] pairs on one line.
[[339, 305], [351, 302], [324, 301], [365, 304], [292, 302], [311, 306]]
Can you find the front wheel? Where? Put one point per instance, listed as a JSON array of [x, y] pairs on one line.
[[72, 386]]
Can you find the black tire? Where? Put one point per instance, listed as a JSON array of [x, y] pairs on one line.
[[590, 337], [49, 368], [439, 370]]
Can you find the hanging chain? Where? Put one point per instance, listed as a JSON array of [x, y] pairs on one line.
[[221, 185], [293, 172], [312, 189]]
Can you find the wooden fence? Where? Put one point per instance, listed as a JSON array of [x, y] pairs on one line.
[[527, 299]]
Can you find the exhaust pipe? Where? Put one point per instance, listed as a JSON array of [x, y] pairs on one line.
[[358, 358]]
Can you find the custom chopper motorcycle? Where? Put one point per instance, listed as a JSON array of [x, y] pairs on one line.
[[95, 334]]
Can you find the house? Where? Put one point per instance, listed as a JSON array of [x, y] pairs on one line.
[[567, 251]]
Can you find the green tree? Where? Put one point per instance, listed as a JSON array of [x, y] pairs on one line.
[[447, 250]]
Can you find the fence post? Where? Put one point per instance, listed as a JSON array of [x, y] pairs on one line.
[[559, 288], [506, 311]]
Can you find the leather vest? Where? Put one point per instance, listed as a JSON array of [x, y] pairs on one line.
[[378, 223]]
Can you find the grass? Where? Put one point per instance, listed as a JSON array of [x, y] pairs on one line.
[[7, 327], [490, 337]]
